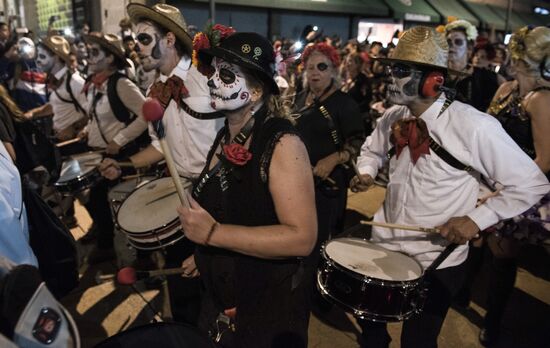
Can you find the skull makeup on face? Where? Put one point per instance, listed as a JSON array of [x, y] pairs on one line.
[[228, 87], [458, 49], [45, 59], [97, 61], [404, 85], [149, 45]]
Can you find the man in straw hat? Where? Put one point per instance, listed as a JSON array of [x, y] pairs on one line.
[[163, 43], [438, 149], [66, 102]]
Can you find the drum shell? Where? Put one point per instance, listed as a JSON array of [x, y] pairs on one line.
[[367, 297], [85, 181]]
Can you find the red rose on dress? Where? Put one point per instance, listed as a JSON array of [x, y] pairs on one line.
[[237, 154]]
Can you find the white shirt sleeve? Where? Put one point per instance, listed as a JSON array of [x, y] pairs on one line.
[[132, 98], [495, 155]]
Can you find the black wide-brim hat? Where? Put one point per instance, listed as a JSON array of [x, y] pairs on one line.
[[248, 50]]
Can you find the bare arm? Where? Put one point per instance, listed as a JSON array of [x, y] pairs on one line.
[[537, 107], [41, 111], [291, 187]]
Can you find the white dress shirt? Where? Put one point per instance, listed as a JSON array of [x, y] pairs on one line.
[[65, 113], [111, 127], [429, 193], [14, 229], [189, 138]]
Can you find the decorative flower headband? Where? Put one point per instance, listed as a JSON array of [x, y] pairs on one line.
[[469, 28], [212, 36], [517, 43]]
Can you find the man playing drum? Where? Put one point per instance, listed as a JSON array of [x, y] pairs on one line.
[[438, 149], [163, 43]]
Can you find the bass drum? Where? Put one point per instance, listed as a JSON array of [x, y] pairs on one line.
[[165, 335], [369, 281]]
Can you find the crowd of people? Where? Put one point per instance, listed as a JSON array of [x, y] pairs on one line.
[[270, 137]]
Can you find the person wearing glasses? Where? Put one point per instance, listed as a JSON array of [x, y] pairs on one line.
[[476, 86], [331, 126], [437, 186]]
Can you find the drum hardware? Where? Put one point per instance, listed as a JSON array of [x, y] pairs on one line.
[[76, 174]]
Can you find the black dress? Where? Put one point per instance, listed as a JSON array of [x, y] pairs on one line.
[[477, 89], [269, 296]]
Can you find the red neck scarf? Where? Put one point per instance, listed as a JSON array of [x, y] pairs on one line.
[[173, 88], [411, 132], [97, 80]]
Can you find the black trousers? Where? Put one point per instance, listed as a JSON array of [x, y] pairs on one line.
[[423, 329]]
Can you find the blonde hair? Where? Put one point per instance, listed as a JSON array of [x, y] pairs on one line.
[[531, 46], [6, 100]]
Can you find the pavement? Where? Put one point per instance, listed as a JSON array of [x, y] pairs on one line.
[[104, 309]]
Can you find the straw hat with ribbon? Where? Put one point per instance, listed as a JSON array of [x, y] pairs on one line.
[[58, 45], [108, 42], [422, 46], [166, 16]]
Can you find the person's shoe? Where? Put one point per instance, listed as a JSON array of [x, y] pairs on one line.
[[90, 236], [98, 255], [488, 337]]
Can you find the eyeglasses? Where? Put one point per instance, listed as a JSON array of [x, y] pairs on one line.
[[400, 70], [456, 42], [320, 66]]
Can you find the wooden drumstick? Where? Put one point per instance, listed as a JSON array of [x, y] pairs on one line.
[[401, 227], [68, 142], [153, 112], [120, 164]]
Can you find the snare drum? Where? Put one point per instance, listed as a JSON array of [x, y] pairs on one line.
[[166, 335], [148, 216], [369, 281], [79, 172], [119, 192]]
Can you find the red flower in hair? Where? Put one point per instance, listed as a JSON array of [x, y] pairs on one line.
[[212, 36], [325, 49]]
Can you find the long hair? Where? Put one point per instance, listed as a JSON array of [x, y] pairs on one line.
[[6, 100]]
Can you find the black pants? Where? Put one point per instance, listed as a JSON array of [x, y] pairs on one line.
[[423, 329]]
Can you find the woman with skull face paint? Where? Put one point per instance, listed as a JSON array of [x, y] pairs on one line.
[[477, 85], [330, 123], [255, 213]]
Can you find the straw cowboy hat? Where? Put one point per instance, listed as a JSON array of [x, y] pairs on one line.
[[166, 16], [422, 46], [249, 50], [109, 42], [58, 45]]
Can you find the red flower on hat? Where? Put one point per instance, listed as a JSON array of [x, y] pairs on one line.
[[212, 36], [223, 30], [237, 154]]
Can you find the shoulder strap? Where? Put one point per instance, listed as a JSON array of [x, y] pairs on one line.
[[69, 89], [332, 127], [119, 109]]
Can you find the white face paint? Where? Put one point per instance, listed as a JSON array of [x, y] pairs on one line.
[[404, 86], [228, 87], [149, 46], [458, 49], [45, 59], [97, 61]]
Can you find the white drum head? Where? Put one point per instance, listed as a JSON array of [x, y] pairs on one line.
[[150, 207], [79, 165], [371, 260], [120, 191]]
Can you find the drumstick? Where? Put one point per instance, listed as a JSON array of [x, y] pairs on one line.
[[401, 227], [153, 112], [120, 164], [128, 275], [68, 142], [356, 170]]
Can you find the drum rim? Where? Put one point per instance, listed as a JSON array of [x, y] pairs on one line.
[[382, 318], [158, 231], [166, 225], [359, 276], [81, 176], [139, 245]]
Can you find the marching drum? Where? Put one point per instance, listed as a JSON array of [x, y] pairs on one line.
[[119, 192], [166, 335], [148, 216], [369, 281], [79, 172]]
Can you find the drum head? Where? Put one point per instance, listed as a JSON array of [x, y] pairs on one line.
[[79, 165], [371, 260], [166, 335], [150, 207]]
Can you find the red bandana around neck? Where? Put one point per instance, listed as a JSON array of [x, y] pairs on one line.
[[97, 80], [173, 88], [411, 132]]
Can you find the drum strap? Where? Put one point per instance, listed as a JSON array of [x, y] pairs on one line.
[[444, 254]]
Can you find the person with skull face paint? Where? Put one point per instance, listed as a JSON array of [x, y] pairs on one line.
[[428, 188], [66, 102], [255, 211], [163, 44], [476, 86]]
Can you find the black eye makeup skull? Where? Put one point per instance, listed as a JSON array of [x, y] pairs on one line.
[[227, 76], [144, 39], [228, 87]]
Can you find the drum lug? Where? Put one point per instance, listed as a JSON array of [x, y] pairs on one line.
[[419, 297], [366, 281]]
